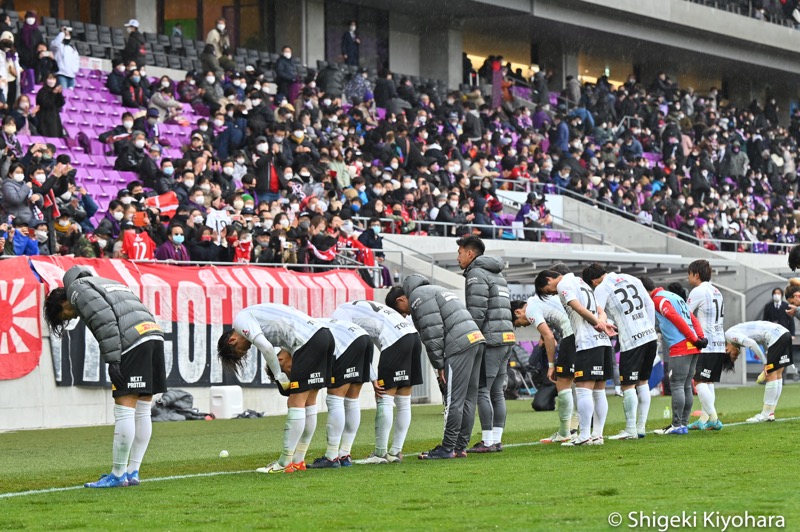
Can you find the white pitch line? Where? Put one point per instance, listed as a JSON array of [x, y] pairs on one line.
[[220, 473]]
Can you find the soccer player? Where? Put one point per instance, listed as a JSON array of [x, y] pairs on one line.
[[298, 351], [705, 302], [132, 345], [627, 303], [545, 317], [490, 306], [454, 344], [352, 367], [399, 369], [593, 364], [684, 336], [772, 343]]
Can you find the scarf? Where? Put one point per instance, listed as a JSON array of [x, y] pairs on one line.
[[27, 34], [49, 201]]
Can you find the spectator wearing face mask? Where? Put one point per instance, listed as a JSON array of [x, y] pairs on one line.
[[66, 56], [135, 44], [134, 158], [41, 233], [219, 39], [50, 99], [173, 249], [775, 311], [133, 93], [285, 73], [22, 243]]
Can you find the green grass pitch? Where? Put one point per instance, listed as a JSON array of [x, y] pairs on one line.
[[744, 468]]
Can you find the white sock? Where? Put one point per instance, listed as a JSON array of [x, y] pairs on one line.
[[144, 429], [600, 412], [629, 405], [771, 393], [585, 409], [564, 411], [706, 396], [487, 436], [335, 426], [308, 434], [124, 434], [497, 434], [295, 424], [643, 391], [352, 420], [780, 391], [383, 424], [401, 423]]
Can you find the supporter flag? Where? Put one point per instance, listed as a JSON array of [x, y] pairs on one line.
[[167, 203]]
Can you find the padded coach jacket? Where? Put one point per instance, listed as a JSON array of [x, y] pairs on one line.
[[488, 300], [117, 318]]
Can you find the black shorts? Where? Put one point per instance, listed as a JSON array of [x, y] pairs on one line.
[[608, 363], [312, 363], [401, 363], [353, 365], [144, 370], [709, 367], [779, 354], [590, 364], [565, 358], [637, 364]]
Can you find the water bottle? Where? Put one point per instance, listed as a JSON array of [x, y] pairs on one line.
[[667, 413], [396, 277]]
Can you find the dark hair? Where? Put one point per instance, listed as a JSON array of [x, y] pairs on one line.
[[702, 269], [648, 283], [517, 304], [677, 288], [794, 258], [394, 294], [791, 290], [229, 359], [728, 365], [473, 243], [593, 271], [53, 307], [779, 289], [542, 279], [560, 267]]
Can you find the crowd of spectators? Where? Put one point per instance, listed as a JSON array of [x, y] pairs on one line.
[[306, 170]]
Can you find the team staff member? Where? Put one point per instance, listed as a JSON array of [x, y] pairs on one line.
[[705, 302], [352, 367], [593, 364], [291, 340], [545, 318], [489, 304], [133, 347], [454, 344], [626, 302], [399, 369], [684, 335], [772, 343]]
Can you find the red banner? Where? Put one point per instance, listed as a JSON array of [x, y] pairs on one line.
[[192, 304], [20, 319]]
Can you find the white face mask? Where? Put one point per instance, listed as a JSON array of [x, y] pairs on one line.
[[41, 236], [19, 178], [287, 55], [139, 144], [128, 124], [221, 27], [218, 123], [189, 183], [285, 223], [165, 84], [199, 200], [228, 170], [203, 128], [30, 21], [210, 80], [102, 243], [775, 297], [294, 207], [238, 205], [263, 147], [118, 216], [63, 223], [453, 204], [197, 219]]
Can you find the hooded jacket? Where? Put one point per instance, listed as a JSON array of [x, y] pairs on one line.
[[442, 320], [117, 318], [488, 300]]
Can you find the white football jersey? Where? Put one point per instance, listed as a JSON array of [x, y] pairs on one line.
[[554, 314], [705, 302], [628, 304], [764, 333], [281, 325], [384, 325], [573, 288], [344, 333]]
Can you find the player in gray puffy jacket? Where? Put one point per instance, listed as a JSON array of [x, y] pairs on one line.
[[488, 303], [454, 344], [132, 345]]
